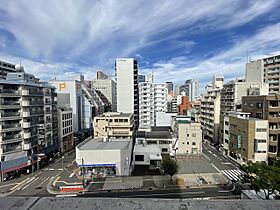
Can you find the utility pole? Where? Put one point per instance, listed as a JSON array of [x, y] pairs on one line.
[[83, 171]]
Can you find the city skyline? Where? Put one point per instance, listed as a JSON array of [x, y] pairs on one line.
[[195, 39]]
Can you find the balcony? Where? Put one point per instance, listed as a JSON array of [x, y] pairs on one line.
[[272, 154], [26, 135], [10, 126], [9, 92], [27, 146], [273, 143], [26, 124], [12, 137], [25, 92], [25, 114], [9, 114], [10, 105]]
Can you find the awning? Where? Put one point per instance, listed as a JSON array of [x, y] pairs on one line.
[[155, 157]]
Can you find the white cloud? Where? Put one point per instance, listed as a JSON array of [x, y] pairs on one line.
[[104, 29], [230, 63]]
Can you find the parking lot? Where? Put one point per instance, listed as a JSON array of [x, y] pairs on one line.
[[195, 165]]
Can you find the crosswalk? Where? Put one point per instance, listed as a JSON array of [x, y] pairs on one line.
[[233, 174], [33, 182], [117, 183]]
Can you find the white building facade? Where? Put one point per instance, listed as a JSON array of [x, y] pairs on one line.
[[152, 99], [126, 72], [210, 109]]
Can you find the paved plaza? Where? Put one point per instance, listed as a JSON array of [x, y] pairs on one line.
[[195, 165]]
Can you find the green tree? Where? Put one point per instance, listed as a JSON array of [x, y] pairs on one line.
[[262, 177], [170, 166]]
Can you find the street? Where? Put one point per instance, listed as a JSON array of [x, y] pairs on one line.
[[228, 167], [36, 183]]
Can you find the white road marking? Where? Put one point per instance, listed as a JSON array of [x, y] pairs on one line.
[[30, 183], [43, 181], [226, 163], [71, 175], [68, 195]]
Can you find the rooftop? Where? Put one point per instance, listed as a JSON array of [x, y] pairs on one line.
[[115, 114], [154, 134], [99, 144], [148, 148]]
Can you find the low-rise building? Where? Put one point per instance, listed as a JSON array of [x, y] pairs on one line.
[[164, 118], [157, 135], [113, 125], [147, 155], [65, 132], [107, 158], [246, 138], [189, 138], [266, 108]]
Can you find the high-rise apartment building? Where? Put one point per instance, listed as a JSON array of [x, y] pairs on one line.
[[191, 89], [210, 109], [6, 68], [267, 108], [28, 122], [126, 70], [265, 70], [152, 99], [108, 88]]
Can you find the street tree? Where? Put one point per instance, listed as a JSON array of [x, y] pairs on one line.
[[170, 166], [262, 177]]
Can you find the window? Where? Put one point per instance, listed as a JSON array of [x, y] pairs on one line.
[[194, 135], [139, 157], [193, 143], [261, 130], [259, 105], [164, 150], [261, 141]]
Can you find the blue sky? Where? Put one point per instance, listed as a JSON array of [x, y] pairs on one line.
[[177, 40]]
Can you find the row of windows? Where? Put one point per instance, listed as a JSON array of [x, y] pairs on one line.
[[66, 116], [66, 130], [193, 135], [188, 143], [261, 130], [66, 123]]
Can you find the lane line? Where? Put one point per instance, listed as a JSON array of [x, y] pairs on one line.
[[30, 183], [68, 195]]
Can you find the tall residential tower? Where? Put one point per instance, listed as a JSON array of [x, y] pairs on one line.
[[126, 70]]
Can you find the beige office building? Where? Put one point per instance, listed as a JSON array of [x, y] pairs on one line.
[[189, 138], [113, 125]]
